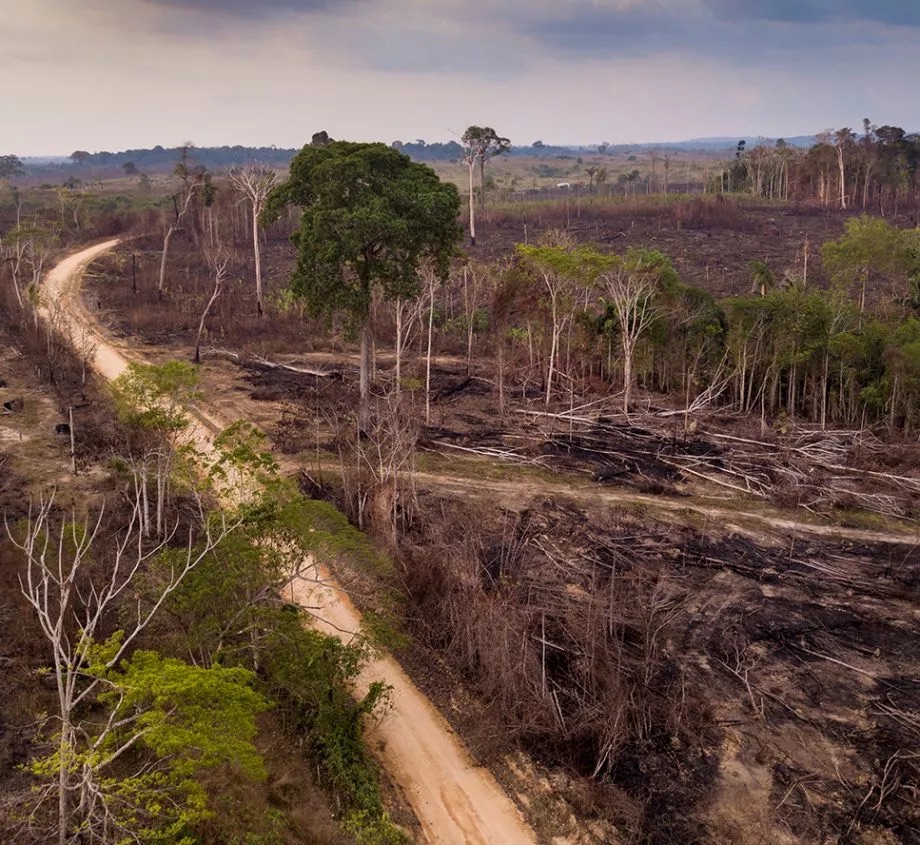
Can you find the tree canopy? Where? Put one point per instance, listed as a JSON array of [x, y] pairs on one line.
[[10, 166], [370, 218]]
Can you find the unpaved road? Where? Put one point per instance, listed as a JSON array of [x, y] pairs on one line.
[[455, 801], [762, 525]]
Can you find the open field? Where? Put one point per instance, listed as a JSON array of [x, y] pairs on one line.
[[780, 694], [668, 601]]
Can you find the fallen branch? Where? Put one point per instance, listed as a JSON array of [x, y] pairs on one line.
[[303, 371], [835, 660], [705, 477]]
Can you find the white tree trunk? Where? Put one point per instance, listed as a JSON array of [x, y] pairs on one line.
[[472, 164], [257, 251]]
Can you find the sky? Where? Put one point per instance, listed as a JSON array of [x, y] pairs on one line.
[[121, 74]]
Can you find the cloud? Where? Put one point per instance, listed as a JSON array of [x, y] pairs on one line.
[[888, 12], [106, 74], [747, 32], [512, 37], [249, 9]]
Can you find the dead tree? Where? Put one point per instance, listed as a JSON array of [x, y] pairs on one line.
[[219, 268], [74, 602], [180, 209], [631, 286], [430, 278], [255, 182]]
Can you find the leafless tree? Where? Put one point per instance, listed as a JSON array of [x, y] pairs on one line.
[[631, 285], [408, 315], [74, 596], [378, 462], [181, 204], [843, 140], [254, 182], [430, 279], [218, 266]]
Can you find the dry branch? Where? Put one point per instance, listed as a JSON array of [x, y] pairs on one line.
[[304, 371]]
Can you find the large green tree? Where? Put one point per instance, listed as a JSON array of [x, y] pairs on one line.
[[371, 217]]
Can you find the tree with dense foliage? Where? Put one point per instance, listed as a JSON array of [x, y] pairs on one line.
[[371, 217], [10, 166], [873, 254]]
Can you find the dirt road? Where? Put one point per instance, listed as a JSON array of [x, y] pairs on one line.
[[455, 800]]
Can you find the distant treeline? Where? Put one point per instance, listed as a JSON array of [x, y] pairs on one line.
[[876, 170], [219, 158]]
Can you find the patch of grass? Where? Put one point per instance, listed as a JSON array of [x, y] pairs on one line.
[[327, 531], [872, 521], [437, 463]]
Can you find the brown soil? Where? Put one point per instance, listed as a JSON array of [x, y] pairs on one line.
[[796, 606], [453, 798]]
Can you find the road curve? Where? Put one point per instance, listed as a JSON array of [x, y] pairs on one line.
[[455, 801]]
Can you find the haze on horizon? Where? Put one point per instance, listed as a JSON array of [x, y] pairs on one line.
[[119, 74]]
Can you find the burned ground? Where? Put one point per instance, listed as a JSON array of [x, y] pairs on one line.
[[768, 671], [702, 626]]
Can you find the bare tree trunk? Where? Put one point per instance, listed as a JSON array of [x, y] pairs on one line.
[[161, 284], [219, 276], [472, 209], [255, 181], [257, 251], [840, 165], [180, 213], [501, 376], [364, 377], [552, 354], [627, 375], [428, 359], [399, 338], [145, 501], [161, 494], [73, 447]]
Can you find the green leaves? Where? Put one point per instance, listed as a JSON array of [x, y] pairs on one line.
[[197, 718], [242, 464], [578, 262], [168, 723], [873, 248], [156, 396], [370, 217], [483, 142], [10, 166]]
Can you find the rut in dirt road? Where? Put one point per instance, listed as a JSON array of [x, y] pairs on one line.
[[454, 800]]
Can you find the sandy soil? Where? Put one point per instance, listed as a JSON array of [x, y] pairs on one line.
[[455, 800]]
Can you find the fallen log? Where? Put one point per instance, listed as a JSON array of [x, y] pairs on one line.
[[303, 371]]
